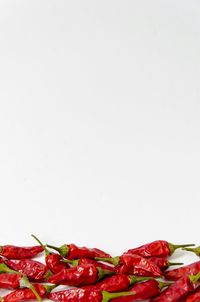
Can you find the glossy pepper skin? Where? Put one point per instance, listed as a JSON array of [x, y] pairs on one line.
[[179, 290], [143, 291], [158, 248], [15, 252], [71, 251], [90, 261], [178, 273], [34, 270], [26, 294], [79, 275], [85, 295], [116, 283], [194, 297], [134, 265], [163, 263]]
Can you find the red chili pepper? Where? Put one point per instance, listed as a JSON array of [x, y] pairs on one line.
[[117, 283], [178, 273], [53, 261], [85, 295], [16, 252], [27, 294], [90, 261], [79, 275], [158, 248], [34, 270], [71, 251], [134, 264], [143, 291], [163, 263], [179, 290], [194, 297]]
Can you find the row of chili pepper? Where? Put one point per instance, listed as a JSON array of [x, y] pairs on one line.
[[95, 276]]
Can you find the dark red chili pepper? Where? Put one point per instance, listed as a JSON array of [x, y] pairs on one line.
[[71, 251], [117, 283], [25, 294], [53, 261], [178, 273], [194, 297], [79, 275], [163, 263], [143, 291], [134, 264], [34, 270], [16, 252], [90, 261], [85, 295], [158, 248], [179, 290], [195, 250]]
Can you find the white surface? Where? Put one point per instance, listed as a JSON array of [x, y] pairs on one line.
[[99, 122]]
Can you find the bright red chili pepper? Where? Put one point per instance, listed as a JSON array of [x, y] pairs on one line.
[[71, 251], [85, 295], [16, 252], [178, 273], [134, 264], [143, 291], [194, 297], [158, 248], [163, 263], [25, 294], [116, 283], [53, 261], [179, 290], [79, 275], [90, 261], [34, 270]]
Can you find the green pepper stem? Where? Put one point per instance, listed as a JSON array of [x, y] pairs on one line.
[[106, 296], [162, 284], [134, 279], [194, 278], [5, 269], [24, 282], [115, 260], [72, 262], [42, 245], [102, 273], [174, 247], [174, 263], [49, 288], [62, 250], [195, 250]]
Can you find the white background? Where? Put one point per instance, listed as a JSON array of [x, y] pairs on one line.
[[99, 122]]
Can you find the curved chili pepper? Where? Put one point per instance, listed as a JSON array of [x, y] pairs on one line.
[[134, 264], [53, 261], [179, 290], [90, 261], [143, 291], [178, 273], [117, 283], [158, 248], [34, 270], [25, 294], [194, 297], [85, 295], [163, 263], [16, 252], [79, 275], [71, 251]]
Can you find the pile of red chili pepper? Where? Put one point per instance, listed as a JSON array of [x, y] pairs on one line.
[[92, 275]]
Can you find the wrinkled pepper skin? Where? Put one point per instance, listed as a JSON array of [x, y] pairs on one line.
[[177, 291], [76, 252], [194, 297], [143, 291], [24, 294], [76, 295], [53, 262], [178, 273], [15, 252], [10, 281], [76, 276], [137, 265], [158, 248], [97, 264], [34, 270]]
